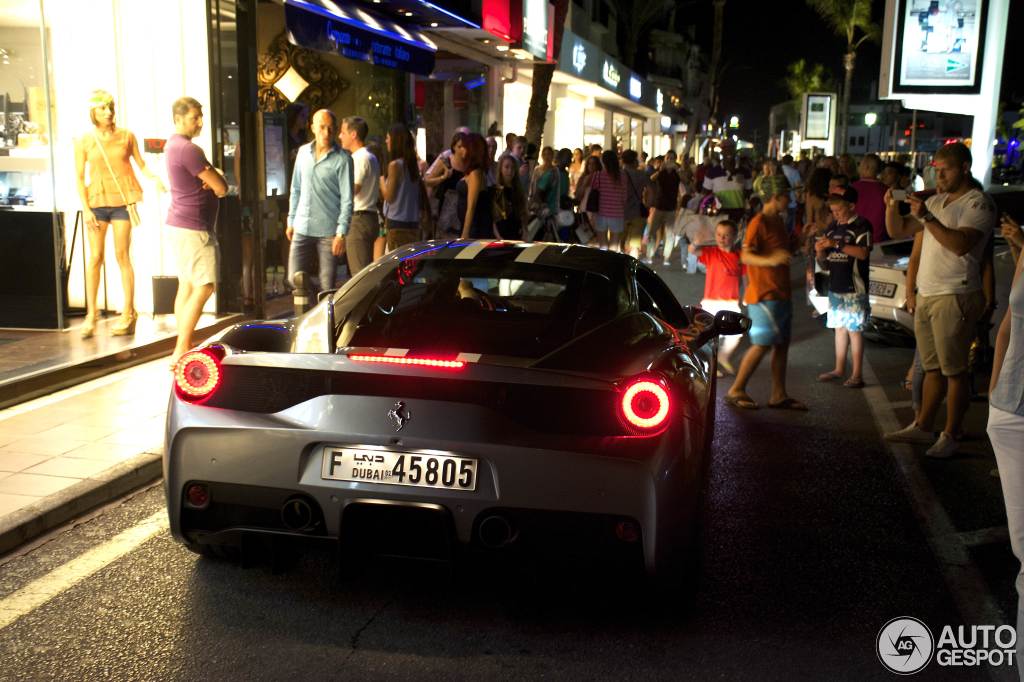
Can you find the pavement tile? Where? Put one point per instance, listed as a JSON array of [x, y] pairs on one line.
[[10, 503], [38, 445], [13, 462], [111, 453], [142, 439], [34, 484], [29, 424], [79, 432], [70, 467], [113, 421]]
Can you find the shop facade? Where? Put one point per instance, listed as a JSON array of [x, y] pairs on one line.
[[53, 55]]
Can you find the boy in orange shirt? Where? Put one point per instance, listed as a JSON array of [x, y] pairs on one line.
[[722, 284], [767, 251]]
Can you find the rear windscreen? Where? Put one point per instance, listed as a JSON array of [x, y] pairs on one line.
[[466, 306]]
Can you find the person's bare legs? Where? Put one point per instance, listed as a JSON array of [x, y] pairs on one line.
[[93, 263], [842, 344], [122, 249], [957, 395], [780, 359], [933, 391], [857, 355], [188, 306], [751, 359]]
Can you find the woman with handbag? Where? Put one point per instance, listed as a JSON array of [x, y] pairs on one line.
[[589, 200], [110, 198]]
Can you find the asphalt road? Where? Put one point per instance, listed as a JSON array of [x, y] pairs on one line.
[[811, 545]]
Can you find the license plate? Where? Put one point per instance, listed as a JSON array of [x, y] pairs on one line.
[[883, 289], [399, 468]]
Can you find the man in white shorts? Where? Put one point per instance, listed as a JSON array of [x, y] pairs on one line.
[[195, 188]]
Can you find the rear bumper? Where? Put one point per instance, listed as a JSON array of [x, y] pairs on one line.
[[254, 463]]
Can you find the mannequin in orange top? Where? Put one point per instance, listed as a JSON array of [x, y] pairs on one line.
[[104, 202]]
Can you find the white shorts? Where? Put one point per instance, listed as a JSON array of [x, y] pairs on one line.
[[714, 306], [194, 253]]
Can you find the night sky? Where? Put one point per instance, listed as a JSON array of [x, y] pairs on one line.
[[762, 38]]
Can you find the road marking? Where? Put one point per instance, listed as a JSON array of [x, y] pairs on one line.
[[965, 583], [63, 578]]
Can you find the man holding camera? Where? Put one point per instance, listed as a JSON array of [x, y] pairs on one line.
[[944, 290]]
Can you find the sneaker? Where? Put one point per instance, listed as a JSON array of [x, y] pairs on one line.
[[666, 263], [945, 446], [910, 434]]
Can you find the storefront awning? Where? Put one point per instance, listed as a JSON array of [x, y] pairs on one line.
[[353, 32]]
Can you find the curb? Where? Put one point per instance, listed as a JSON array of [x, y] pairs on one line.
[[29, 522]]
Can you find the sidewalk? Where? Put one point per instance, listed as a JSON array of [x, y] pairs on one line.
[[68, 452]]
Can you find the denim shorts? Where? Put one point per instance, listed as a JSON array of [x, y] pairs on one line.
[[770, 322], [106, 214]]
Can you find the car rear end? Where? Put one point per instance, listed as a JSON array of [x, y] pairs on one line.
[[422, 445], [887, 292]]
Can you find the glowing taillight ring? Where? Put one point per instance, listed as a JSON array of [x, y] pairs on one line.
[[635, 390], [182, 379]]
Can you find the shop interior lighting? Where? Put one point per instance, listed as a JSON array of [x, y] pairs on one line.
[[501, 48]]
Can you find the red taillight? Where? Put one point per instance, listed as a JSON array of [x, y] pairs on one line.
[[197, 375], [645, 405], [399, 360], [197, 495]]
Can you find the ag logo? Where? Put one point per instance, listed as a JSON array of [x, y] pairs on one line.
[[905, 645]]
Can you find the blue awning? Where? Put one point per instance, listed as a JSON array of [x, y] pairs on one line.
[[356, 33]]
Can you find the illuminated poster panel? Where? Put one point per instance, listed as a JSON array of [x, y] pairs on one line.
[[818, 117], [939, 45]]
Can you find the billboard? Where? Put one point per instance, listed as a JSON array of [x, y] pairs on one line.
[[818, 116], [938, 46]]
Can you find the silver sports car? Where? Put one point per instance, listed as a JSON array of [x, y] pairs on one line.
[[491, 396]]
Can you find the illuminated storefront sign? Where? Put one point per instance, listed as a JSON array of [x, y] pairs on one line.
[[382, 43], [659, 100], [610, 75], [636, 87], [535, 27], [579, 57]]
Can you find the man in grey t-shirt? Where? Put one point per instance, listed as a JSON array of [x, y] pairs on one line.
[[639, 192]]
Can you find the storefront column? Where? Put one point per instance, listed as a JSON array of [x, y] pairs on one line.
[[496, 101], [609, 130], [450, 121]]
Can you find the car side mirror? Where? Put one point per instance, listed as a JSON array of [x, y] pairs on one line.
[[728, 323]]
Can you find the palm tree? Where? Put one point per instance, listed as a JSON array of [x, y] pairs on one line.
[[848, 18], [802, 78], [636, 17], [542, 73]]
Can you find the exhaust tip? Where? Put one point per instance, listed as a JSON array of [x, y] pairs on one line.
[[496, 532], [297, 514]]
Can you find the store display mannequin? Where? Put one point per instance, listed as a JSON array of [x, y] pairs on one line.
[[112, 186]]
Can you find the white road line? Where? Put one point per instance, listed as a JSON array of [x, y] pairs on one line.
[[969, 590], [61, 579]]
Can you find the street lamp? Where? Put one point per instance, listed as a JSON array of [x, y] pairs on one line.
[[870, 119], [734, 122]]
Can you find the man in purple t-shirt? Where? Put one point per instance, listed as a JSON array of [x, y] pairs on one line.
[[871, 196], [195, 188]]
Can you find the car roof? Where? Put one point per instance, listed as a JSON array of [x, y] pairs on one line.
[[571, 256]]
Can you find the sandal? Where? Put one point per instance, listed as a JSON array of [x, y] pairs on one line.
[[829, 376], [850, 383], [788, 404], [744, 402]]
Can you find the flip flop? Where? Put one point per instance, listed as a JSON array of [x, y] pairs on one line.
[[788, 404], [743, 402], [829, 376], [850, 383]]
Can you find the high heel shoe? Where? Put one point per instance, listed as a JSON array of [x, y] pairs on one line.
[[125, 328], [88, 327]]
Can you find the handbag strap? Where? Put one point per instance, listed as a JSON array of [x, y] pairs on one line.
[[117, 184]]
